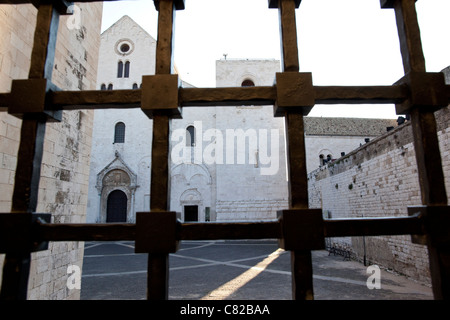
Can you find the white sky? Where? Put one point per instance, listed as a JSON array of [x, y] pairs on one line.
[[342, 42]]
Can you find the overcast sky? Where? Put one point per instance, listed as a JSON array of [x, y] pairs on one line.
[[345, 42]]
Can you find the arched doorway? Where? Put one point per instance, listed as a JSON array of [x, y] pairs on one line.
[[116, 207], [116, 176]]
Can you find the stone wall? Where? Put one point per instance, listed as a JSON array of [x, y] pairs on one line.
[[244, 190], [334, 136], [65, 169], [379, 179]]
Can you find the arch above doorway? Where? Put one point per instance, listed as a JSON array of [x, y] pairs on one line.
[[116, 185]]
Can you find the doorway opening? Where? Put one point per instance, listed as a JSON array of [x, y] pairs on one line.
[[191, 213], [116, 208]]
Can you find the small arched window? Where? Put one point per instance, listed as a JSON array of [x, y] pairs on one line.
[[110, 86], [127, 70], [247, 83], [103, 86], [120, 69], [190, 136], [119, 133], [135, 86]]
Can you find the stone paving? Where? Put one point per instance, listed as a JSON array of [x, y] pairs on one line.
[[235, 270]]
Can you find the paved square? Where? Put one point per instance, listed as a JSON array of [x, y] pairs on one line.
[[233, 270]]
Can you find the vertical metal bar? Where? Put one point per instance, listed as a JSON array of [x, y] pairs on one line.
[[302, 280], [158, 276], [288, 35], [301, 261], [409, 35], [29, 160], [159, 200], [165, 38], [426, 144], [44, 43], [158, 264], [298, 182], [16, 267], [428, 157]]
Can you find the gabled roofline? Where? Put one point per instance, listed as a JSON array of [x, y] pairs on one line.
[[133, 21]]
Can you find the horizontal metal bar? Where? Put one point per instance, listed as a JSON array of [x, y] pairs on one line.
[[103, 99], [125, 99], [86, 231], [186, 231], [373, 226], [229, 231], [360, 94], [232, 230], [95, 99], [228, 96]]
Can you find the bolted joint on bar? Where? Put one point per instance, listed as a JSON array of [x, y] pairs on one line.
[[295, 93], [388, 4], [179, 4], [436, 225], [273, 4], [160, 95], [301, 229], [28, 98], [156, 232], [427, 91], [19, 232]]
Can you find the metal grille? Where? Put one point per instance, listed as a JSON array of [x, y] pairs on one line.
[[157, 233]]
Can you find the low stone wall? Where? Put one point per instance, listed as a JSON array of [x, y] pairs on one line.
[[250, 209]]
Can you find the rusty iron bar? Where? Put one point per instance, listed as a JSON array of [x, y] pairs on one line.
[[100, 99], [301, 260], [425, 98], [229, 231], [431, 176], [351, 227], [198, 97], [95, 99], [86, 232], [376, 226], [158, 263], [229, 96]]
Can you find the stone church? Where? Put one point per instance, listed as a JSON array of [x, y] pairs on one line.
[[227, 163]]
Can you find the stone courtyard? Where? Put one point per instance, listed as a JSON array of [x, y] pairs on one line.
[[234, 270]]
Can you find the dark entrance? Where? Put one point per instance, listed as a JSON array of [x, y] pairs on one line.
[[190, 213], [116, 208]]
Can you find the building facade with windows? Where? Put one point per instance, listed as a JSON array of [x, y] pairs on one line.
[[121, 147], [227, 163]]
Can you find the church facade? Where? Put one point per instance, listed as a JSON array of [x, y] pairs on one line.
[[227, 163]]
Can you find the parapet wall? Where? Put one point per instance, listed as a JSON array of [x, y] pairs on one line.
[[379, 179]]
